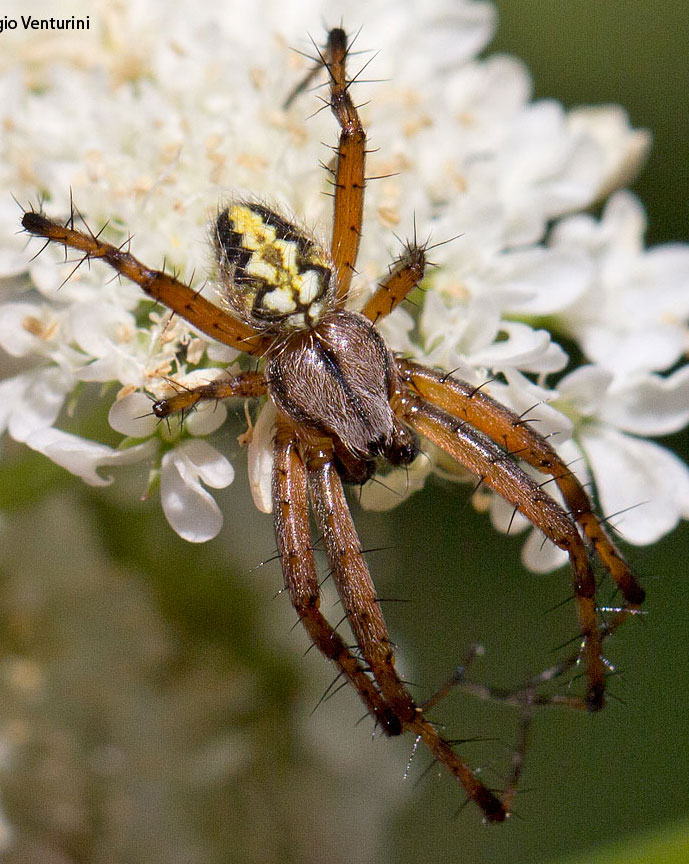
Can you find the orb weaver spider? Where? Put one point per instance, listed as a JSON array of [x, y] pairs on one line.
[[344, 403]]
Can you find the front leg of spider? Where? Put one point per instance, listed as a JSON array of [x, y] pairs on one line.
[[160, 286]]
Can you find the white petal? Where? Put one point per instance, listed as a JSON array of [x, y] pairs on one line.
[[623, 149], [33, 400], [99, 328], [84, 458], [539, 281], [132, 416], [649, 404], [189, 508], [206, 418], [260, 459], [15, 337], [524, 348], [504, 518], [540, 555], [649, 348], [585, 388], [212, 468], [118, 365], [646, 481], [388, 491]]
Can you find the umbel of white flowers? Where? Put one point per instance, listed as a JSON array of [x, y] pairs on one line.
[[147, 134]]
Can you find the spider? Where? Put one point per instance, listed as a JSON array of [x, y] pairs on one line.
[[344, 404]]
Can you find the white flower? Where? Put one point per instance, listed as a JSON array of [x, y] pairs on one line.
[[646, 484], [189, 508], [32, 400], [634, 314], [150, 119], [641, 486]]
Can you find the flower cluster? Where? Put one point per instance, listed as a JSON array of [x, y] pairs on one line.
[[149, 120]]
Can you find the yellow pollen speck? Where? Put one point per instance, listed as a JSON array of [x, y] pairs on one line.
[[257, 77], [123, 334], [388, 215], [127, 390], [212, 143], [252, 161], [458, 290], [37, 328]]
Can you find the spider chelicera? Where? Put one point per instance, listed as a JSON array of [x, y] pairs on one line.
[[345, 403]]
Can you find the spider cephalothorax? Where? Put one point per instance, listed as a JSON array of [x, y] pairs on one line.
[[343, 402], [336, 381]]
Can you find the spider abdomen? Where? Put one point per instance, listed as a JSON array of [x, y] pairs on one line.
[[274, 276], [335, 380]]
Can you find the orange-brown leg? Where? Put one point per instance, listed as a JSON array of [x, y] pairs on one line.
[[356, 590], [405, 274], [161, 286], [245, 385], [349, 180], [498, 470], [511, 432], [292, 531]]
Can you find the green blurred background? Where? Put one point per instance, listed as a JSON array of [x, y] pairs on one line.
[[157, 704]]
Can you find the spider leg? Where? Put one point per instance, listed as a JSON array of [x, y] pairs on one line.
[[356, 590], [525, 698], [177, 296], [349, 179], [353, 581], [507, 429], [293, 534], [405, 274], [498, 470], [245, 385]]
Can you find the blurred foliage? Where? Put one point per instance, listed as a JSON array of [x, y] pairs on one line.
[[669, 846]]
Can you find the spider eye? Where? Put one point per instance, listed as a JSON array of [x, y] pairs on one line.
[[273, 274]]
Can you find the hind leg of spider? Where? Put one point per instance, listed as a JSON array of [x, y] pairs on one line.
[[166, 289], [529, 690], [498, 470], [511, 432], [293, 535], [525, 698], [355, 587]]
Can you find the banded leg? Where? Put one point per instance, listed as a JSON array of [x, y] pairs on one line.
[[293, 535], [162, 287], [354, 584], [405, 274], [349, 181], [499, 471], [358, 596], [507, 429], [245, 385]]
